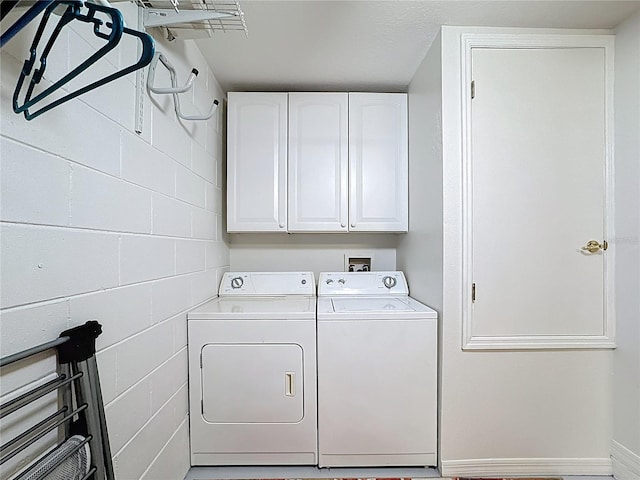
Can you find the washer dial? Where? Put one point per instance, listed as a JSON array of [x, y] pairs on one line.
[[389, 281]]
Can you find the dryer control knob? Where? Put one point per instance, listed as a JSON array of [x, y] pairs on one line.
[[389, 281], [236, 282]]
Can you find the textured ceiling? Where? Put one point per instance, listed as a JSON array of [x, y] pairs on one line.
[[369, 44]]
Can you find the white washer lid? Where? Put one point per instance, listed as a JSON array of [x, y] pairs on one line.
[[373, 308], [388, 305]]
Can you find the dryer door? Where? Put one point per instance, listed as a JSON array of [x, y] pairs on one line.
[[252, 383]]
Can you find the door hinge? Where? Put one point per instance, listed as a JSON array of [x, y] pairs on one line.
[[473, 89], [473, 292]]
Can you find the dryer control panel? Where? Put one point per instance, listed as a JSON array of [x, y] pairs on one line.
[[362, 283], [267, 284]]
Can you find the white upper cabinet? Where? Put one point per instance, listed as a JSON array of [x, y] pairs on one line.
[[318, 162], [378, 162], [257, 162], [347, 167]]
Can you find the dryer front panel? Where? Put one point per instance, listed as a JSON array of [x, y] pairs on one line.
[[252, 383], [252, 392]]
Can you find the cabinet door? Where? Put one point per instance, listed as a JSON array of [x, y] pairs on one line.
[[318, 162], [378, 162], [257, 162]]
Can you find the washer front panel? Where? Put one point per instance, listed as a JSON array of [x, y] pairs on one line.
[[377, 392]]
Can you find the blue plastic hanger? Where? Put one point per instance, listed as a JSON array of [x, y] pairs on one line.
[[19, 24], [73, 12]]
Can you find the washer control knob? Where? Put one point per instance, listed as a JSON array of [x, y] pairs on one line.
[[341, 281], [329, 281], [389, 281], [236, 282], [304, 282]]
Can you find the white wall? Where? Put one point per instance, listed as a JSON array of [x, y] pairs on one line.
[[100, 223], [509, 412], [626, 407], [419, 252], [309, 252]]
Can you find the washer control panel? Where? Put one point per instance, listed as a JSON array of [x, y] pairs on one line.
[[267, 283], [362, 283]]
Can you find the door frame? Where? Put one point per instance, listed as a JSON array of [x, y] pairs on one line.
[[527, 41]]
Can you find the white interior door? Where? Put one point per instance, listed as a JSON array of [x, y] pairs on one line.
[[537, 178]]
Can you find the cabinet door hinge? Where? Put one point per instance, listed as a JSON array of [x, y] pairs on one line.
[[473, 89], [473, 292]]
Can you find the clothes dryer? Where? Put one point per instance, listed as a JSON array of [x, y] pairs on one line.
[[252, 371], [377, 372]]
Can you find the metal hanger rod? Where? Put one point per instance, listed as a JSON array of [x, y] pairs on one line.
[[9, 359], [38, 392], [31, 430]]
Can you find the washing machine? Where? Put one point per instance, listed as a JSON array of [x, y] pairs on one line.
[[252, 371], [377, 372]]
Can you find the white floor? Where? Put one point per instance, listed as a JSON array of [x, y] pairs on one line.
[[217, 473], [213, 473]]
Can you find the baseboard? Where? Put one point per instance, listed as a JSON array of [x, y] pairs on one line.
[[505, 467], [626, 464]]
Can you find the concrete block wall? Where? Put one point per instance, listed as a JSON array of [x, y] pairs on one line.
[[98, 222]]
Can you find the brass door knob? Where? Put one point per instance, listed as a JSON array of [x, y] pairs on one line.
[[593, 246]]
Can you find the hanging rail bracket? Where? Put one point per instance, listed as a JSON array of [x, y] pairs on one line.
[[174, 90]]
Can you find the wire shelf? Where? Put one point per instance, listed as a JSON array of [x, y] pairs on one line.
[[204, 28]]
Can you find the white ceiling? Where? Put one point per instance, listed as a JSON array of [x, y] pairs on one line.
[[369, 45]]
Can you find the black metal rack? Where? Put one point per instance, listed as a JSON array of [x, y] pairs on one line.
[[83, 453]]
